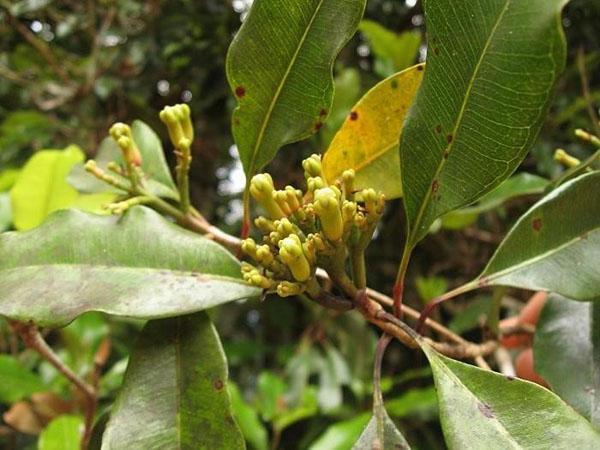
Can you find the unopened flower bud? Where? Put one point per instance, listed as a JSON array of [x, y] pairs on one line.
[[287, 289], [178, 120], [374, 202], [565, 159], [348, 183], [121, 133], [312, 166], [280, 198], [261, 189], [264, 225], [291, 253], [249, 247], [264, 256], [348, 210], [294, 198], [327, 207]]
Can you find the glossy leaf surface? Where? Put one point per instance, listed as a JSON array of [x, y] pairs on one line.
[[483, 410], [139, 266], [491, 66], [567, 352], [555, 246], [368, 140], [279, 67], [41, 188], [174, 394]]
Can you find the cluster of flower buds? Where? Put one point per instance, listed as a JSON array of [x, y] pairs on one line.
[[303, 230], [121, 133], [178, 121]]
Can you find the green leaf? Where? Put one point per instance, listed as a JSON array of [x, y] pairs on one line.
[[16, 381], [341, 435], [368, 140], [159, 181], [567, 352], [491, 67], [63, 433], [394, 52], [520, 184], [5, 212], [554, 246], [247, 418], [480, 409], [381, 433], [280, 68], [430, 287], [175, 394], [41, 188], [421, 403], [139, 266], [8, 177]]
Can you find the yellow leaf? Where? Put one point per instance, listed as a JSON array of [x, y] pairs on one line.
[[368, 140]]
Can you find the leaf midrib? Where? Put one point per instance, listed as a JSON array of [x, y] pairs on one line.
[[499, 425], [176, 272], [267, 117], [442, 163], [538, 257]]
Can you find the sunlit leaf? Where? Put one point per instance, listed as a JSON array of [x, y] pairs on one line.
[[491, 66], [41, 188], [279, 67], [175, 391], [63, 433], [368, 139], [139, 266]]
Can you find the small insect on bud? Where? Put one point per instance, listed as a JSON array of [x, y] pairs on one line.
[[327, 207], [291, 253], [121, 133], [312, 166], [287, 289], [261, 189]]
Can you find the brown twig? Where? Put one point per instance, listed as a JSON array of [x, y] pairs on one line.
[[369, 304], [585, 90], [33, 339]]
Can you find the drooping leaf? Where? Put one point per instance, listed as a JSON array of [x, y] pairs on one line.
[[480, 409], [139, 266], [393, 52], [381, 433], [41, 188], [567, 352], [247, 418], [175, 391], [63, 433], [159, 180], [491, 67], [555, 246], [280, 68], [368, 139], [520, 184], [16, 381]]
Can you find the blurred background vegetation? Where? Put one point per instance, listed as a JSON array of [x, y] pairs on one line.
[[301, 376]]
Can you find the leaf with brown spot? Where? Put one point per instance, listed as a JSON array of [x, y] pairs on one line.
[[139, 265], [368, 140], [480, 409], [173, 392]]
